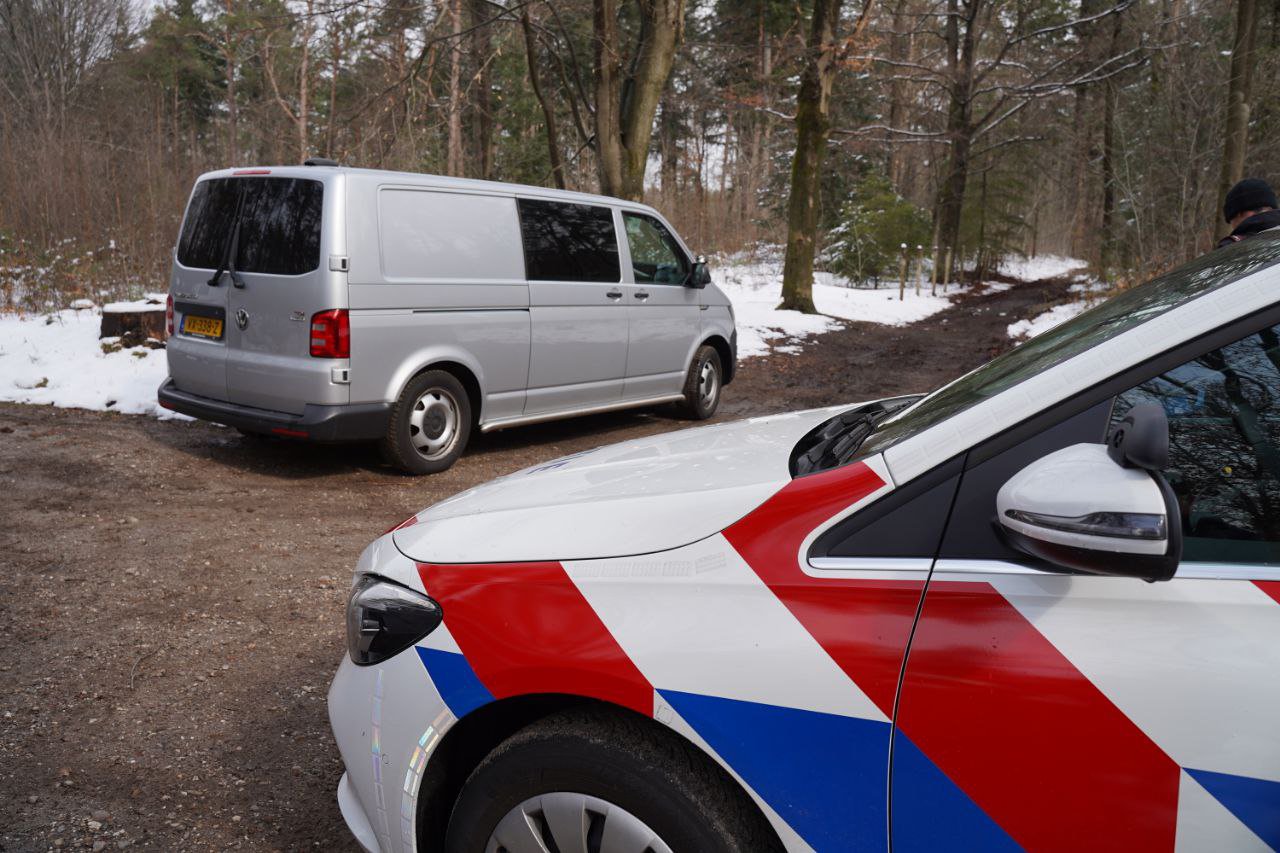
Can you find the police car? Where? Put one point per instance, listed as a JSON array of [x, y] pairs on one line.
[[1038, 608]]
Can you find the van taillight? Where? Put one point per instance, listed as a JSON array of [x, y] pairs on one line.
[[331, 334], [168, 316]]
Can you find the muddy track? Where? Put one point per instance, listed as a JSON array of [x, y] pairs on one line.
[[171, 593]]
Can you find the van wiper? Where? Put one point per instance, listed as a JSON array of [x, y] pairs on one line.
[[228, 264], [836, 441]]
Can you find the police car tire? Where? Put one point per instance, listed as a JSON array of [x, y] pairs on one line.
[[677, 791], [397, 447]]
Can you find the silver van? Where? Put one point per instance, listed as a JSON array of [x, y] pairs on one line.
[[336, 304]]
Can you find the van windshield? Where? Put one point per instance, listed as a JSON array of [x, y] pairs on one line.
[[1118, 314], [279, 225]]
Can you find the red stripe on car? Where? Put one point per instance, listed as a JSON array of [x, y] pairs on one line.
[[525, 628], [987, 698], [863, 624], [1032, 741], [1271, 588]]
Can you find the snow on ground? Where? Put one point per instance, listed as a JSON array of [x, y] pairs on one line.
[[1086, 292], [1044, 322], [58, 359], [755, 289], [1041, 266]]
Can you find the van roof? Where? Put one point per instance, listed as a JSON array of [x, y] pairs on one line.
[[427, 180]]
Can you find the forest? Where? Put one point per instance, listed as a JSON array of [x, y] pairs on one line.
[[840, 129]]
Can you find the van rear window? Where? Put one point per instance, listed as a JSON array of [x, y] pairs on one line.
[[568, 242], [279, 220]]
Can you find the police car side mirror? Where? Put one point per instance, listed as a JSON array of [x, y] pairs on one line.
[[1099, 509]]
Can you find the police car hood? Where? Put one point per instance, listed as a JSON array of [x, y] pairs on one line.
[[645, 495]]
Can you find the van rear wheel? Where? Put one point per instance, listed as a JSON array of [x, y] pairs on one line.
[[703, 384], [429, 424]]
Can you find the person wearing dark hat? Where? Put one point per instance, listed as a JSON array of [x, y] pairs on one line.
[[1250, 208]]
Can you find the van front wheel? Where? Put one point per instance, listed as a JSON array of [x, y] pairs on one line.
[[702, 385], [429, 424]]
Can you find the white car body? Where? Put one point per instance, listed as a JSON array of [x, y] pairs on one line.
[[692, 579]]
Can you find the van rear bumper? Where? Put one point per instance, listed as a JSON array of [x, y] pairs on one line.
[[363, 422]]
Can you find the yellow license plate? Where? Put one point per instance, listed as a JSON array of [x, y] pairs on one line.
[[205, 327]]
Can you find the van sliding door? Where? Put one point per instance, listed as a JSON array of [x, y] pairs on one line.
[[578, 355]]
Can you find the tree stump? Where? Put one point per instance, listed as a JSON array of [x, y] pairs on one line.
[[135, 323]]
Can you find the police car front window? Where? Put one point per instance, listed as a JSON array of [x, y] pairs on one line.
[[1224, 448], [1118, 314]]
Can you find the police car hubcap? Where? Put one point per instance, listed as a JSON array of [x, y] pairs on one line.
[[573, 822]]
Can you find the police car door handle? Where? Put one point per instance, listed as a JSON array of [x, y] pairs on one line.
[[642, 295], [614, 294]]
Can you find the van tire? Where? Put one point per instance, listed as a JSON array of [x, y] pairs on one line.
[[703, 385], [653, 775], [433, 402]]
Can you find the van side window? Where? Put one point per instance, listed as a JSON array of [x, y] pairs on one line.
[[1224, 448], [656, 257], [568, 242], [279, 225]]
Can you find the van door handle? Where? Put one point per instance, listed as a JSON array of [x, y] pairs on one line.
[[642, 295], [614, 294]]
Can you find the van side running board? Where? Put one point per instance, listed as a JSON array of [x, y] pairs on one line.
[[543, 417]]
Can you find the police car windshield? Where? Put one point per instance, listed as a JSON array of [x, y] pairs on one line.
[[1118, 314]]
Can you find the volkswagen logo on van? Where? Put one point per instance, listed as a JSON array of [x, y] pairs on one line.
[[242, 318]]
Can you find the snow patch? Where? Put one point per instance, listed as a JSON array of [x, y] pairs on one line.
[[755, 289], [1042, 323], [1041, 267], [58, 360], [152, 302]]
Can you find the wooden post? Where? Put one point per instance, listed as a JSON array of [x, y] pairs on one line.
[[946, 278], [933, 272], [919, 267], [902, 274]]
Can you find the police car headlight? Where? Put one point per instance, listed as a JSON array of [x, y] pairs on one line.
[[384, 619]]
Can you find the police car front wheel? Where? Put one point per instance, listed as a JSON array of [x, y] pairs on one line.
[[603, 782]]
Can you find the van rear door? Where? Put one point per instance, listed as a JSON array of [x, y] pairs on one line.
[[281, 285], [197, 351], [252, 346]]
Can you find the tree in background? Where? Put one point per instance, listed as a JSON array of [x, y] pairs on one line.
[[1239, 90], [629, 84], [866, 244], [1094, 127], [813, 125]]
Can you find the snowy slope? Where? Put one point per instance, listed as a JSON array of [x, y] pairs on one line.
[[58, 359], [755, 288]]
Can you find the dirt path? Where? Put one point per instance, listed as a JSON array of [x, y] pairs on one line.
[[171, 594]]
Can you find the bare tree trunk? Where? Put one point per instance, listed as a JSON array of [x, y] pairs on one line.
[[608, 62], [813, 124], [453, 161], [335, 65], [230, 48], [548, 110], [482, 52], [1111, 96], [960, 55], [304, 82], [626, 105], [897, 92], [1238, 95], [1085, 150]]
